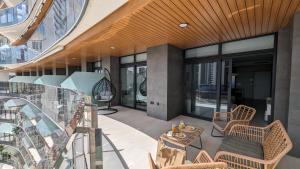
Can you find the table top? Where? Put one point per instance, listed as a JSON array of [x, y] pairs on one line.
[[190, 136]]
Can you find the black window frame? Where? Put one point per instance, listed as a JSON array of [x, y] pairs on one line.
[[133, 64]]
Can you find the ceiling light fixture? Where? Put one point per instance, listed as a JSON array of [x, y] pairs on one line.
[[183, 25], [74, 58], [112, 47]]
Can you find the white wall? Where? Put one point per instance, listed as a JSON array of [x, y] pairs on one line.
[[4, 76]]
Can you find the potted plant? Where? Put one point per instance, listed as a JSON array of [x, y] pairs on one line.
[[16, 130]]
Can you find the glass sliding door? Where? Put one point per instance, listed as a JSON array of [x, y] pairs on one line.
[[201, 89], [134, 81], [225, 95], [127, 86], [141, 87]]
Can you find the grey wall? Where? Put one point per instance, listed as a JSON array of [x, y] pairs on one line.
[[157, 75], [175, 82], [112, 65], [164, 81], [283, 73], [294, 100]]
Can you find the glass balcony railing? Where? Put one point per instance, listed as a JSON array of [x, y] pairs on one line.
[[11, 156], [16, 14], [59, 21], [45, 118]]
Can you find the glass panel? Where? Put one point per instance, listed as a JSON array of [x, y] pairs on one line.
[[141, 57], [188, 88], [127, 59], [202, 51], [16, 14], [205, 89], [265, 42], [127, 88], [225, 86], [141, 87], [61, 18]]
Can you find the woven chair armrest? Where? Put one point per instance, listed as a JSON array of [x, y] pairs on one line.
[[251, 133], [213, 165], [231, 123], [239, 161], [151, 162], [217, 116], [203, 157]]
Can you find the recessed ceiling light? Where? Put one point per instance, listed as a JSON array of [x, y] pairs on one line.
[[112, 47], [183, 25], [74, 58]]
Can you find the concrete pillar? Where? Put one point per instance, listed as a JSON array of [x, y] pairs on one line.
[[37, 71], [282, 83], [54, 69], [67, 70], [294, 108], [112, 65], [43, 70], [83, 64], [164, 81], [4, 76]]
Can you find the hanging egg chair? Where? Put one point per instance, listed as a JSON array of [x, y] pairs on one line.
[[104, 92]]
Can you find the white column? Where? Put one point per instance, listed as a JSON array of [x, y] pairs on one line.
[[43, 70], [67, 70], [83, 64], [54, 69], [37, 71]]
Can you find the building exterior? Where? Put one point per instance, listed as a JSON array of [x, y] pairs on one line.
[[166, 58]]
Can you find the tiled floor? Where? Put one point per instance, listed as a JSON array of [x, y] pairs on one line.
[[134, 134]]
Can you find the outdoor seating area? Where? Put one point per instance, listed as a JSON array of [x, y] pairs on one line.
[[223, 121], [243, 146]]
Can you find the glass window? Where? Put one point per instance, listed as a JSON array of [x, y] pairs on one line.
[[201, 87], [141, 87], [225, 82], [260, 43], [202, 51], [127, 86], [141, 57], [127, 59]]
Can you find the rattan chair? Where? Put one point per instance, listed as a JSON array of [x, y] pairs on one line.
[[167, 156], [223, 121], [202, 161], [252, 147]]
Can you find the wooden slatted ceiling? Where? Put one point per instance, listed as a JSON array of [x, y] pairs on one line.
[[210, 21]]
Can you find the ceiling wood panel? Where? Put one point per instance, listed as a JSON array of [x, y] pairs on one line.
[[134, 28]]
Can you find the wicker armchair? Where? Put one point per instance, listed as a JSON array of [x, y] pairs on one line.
[[167, 156], [223, 121], [202, 161], [252, 147]]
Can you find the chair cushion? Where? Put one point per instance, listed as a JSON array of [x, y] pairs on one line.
[[220, 123], [243, 147]]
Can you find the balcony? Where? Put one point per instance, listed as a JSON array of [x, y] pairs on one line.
[[64, 14], [16, 14], [38, 121]]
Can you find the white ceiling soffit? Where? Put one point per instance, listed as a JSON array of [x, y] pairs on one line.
[[12, 32], [11, 3], [96, 11]]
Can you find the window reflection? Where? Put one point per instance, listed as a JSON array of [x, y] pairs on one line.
[[141, 87], [127, 88], [201, 89]]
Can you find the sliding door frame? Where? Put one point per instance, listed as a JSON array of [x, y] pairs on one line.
[[228, 57], [134, 64]]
